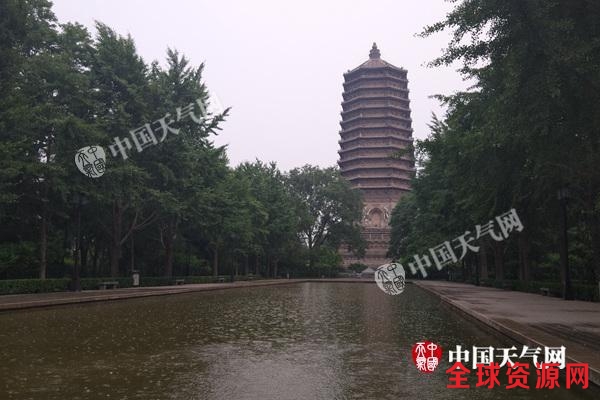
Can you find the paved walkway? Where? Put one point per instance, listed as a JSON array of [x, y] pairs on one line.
[[530, 319], [24, 301]]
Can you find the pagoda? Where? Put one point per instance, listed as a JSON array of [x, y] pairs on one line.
[[376, 152]]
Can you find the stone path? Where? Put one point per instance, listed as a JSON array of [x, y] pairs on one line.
[[530, 319], [24, 301]]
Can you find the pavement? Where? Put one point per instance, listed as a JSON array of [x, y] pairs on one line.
[[530, 319], [24, 301], [35, 300]]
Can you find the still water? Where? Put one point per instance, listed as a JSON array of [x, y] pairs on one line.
[[299, 341]]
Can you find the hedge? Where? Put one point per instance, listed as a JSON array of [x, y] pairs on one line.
[[17, 286], [581, 291], [22, 286]]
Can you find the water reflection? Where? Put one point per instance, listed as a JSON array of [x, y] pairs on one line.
[[302, 341]]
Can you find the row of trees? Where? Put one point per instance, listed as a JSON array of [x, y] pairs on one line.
[[528, 128], [173, 208]]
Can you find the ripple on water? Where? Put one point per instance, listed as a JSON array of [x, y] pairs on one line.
[[305, 341]]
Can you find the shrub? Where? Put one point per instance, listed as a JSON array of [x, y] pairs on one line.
[[22, 286], [19, 286]]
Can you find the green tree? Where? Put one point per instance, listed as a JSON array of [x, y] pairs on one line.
[[502, 143], [329, 210], [177, 166], [121, 87], [276, 227]]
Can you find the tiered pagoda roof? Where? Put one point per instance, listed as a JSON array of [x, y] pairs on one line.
[[376, 136]]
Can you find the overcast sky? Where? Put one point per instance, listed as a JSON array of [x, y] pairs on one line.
[[279, 64]]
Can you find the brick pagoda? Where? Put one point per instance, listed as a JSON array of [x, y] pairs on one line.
[[376, 147]]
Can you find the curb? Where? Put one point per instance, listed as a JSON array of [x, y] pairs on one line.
[[143, 292], [594, 374], [160, 291]]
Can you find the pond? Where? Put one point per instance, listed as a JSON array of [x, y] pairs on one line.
[[299, 341]]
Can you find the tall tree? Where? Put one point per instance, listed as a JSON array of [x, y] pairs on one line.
[[121, 87], [329, 209], [177, 166], [503, 143]]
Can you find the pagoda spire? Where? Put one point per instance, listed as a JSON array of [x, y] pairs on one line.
[[376, 126], [374, 53]]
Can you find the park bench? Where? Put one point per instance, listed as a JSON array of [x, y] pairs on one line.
[[250, 277], [545, 291], [179, 281], [220, 279], [108, 285]]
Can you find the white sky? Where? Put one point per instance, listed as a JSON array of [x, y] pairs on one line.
[[279, 64]]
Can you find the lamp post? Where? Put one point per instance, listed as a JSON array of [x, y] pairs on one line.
[[563, 196]]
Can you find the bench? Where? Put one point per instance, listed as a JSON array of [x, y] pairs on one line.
[[108, 285], [179, 281], [221, 279], [545, 291], [250, 277]]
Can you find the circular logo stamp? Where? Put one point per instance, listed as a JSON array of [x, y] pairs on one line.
[[426, 355], [390, 278], [91, 161]]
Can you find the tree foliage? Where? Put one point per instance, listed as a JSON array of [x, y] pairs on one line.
[[527, 128], [173, 208]]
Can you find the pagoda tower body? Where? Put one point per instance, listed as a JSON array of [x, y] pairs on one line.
[[376, 152]]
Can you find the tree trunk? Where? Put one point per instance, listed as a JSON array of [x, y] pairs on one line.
[[84, 255], [524, 261], [498, 264], [77, 266], [115, 245], [593, 222], [169, 255], [246, 264], [168, 239], [216, 261], [595, 238], [268, 264], [132, 254], [115, 256], [483, 263], [43, 243], [95, 260], [275, 262]]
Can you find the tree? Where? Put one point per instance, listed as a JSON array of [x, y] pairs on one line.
[[329, 210], [177, 168], [276, 225], [502, 144]]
